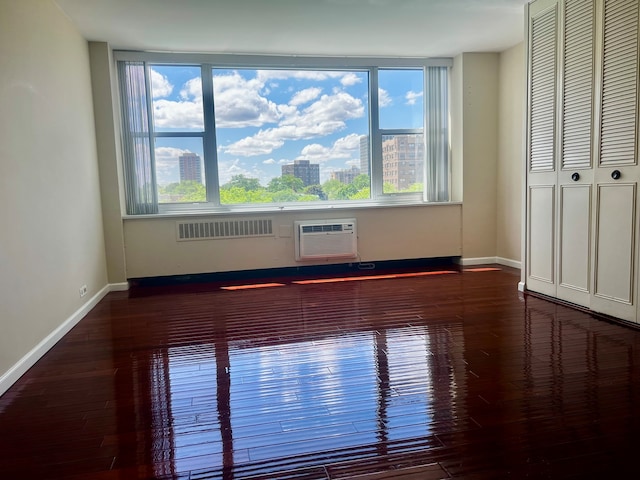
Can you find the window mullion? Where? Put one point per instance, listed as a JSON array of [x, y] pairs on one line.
[[179, 134], [210, 148], [375, 146], [401, 131]]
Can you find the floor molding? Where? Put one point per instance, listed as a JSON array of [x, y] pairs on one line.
[[119, 287], [12, 375], [477, 261], [507, 262]]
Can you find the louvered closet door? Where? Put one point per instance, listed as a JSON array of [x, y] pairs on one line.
[[541, 147], [617, 171], [575, 178]]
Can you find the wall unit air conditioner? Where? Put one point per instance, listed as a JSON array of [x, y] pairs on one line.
[[326, 239]]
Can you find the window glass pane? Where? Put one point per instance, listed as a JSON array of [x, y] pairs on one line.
[[180, 170], [290, 135], [400, 97], [177, 98], [402, 163]]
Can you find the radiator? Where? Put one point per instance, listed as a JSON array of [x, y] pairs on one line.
[[326, 239]]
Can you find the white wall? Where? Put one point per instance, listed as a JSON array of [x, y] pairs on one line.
[[106, 108], [510, 158], [393, 233], [51, 238], [478, 105]]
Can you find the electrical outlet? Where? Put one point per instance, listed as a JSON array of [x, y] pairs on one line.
[[83, 291]]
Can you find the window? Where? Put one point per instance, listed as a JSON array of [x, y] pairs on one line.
[[208, 135]]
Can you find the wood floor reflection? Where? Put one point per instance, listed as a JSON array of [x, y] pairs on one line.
[[451, 374]]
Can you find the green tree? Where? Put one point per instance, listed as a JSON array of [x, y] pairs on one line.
[[415, 187], [285, 182], [331, 188], [187, 191], [285, 196], [235, 195], [241, 181], [361, 181], [359, 189], [389, 188], [316, 190], [363, 194]]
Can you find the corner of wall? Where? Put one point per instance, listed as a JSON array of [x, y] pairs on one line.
[[510, 152], [478, 108], [108, 147]]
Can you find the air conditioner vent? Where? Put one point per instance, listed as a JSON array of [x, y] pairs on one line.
[[217, 229], [326, 239], [321, 228]]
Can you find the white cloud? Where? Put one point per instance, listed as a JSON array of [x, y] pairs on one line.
[[384, 99], [241, 103], [170, 152], [192, 90], [354, 162], [305, 96], [315, 152], [342, 148], [270, 161], [160, 85], [330, 109], [238, 102], [412, 96], [350, 79], [347, 79], [349, 143], [183, 114], [318, 75], [261, 143], [323, 117]]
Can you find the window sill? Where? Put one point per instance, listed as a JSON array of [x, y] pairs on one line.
[[203, 210]]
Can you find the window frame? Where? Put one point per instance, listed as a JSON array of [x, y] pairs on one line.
[[207, 62]]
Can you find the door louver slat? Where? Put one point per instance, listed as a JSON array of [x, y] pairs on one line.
[[619, 83], [577, 97], [543, 88]]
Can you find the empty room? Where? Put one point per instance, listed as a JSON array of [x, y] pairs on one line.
[[319, 239]]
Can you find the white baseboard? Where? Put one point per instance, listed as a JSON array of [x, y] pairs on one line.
[[12, 375], [521, 286], [119, 287], [477, 261], [507, 262], [487, 260]]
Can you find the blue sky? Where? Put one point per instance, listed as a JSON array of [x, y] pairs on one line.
[[267, 118]]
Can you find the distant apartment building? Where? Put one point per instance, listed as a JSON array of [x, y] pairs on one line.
[[364, 154], [190, 167], [306, 171], [345, 176], [403, 160]]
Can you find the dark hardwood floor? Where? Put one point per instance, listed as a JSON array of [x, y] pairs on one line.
[[445, 375]]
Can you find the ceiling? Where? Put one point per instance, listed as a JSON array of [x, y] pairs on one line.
[[396, 28]]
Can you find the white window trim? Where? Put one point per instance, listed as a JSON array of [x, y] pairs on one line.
[[290, 62]]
